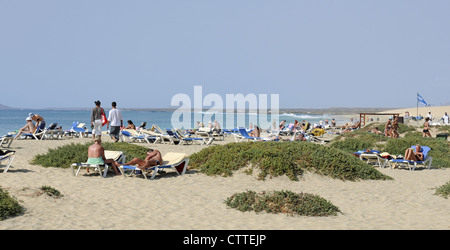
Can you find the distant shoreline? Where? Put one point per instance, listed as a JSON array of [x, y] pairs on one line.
[[333, 110]]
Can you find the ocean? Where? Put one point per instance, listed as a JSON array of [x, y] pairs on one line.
[[12, 120]]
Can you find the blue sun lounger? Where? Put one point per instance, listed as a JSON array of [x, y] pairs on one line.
[[245, 136], [413, 164]]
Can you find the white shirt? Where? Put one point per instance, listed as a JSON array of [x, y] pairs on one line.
[[445, 117], [114, 118]]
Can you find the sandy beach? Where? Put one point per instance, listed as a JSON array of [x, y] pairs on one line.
[[196, 201]]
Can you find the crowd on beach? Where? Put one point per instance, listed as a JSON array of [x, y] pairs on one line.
[[299, 130]]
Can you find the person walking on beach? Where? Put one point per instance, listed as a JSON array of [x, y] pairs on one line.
[[153, 158], [96, 120], [96, 155], [426, 128], [116, 121]]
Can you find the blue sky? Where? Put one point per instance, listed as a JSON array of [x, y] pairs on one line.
[[314, 54]]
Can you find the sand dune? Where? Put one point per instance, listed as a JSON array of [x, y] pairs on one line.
[[196, 201]]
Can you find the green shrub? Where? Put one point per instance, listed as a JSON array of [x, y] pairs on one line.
[[444, 190], [9, 206], [282, 202], [64, 156], [282, 158], [50, 191]]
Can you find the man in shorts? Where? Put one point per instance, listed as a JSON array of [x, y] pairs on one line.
[[116, 121], [96, 155]]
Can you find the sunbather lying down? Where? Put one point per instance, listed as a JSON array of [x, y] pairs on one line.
[[153, 158]]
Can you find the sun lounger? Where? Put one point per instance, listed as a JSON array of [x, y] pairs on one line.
[[176, 161], [115, 155], [51, 132], [8, 156], [157, 131], [245, 136], [132, 135], [372, 156], [6, 140], [77, 129], [178, 136], [413, 164], [38, 133], [287, 130]]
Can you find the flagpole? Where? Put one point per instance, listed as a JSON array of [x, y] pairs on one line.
[[417, 115]]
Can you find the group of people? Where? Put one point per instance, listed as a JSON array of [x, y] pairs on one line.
[[30, 126], [98, 120], [96, 152], [96, 155], [114, 120], [391, 127]]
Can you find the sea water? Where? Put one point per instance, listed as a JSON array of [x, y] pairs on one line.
[[12, 120]]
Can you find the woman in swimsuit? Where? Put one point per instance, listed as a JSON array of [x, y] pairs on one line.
[[414, 155], [387, 128], [426, 128]]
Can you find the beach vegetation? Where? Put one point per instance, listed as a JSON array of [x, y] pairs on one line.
[[360, 140], [50, 191], [283, 158], [444, 190], [9, 206], [284, 201], [64, 156]]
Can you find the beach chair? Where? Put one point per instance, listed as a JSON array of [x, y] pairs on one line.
[[172, 160], [177, 136], [6, 140], [161, 138], [245, 136], [204, 131], [8, 156], [289, 130], [371, 156], [51, 131], [76, 129], [132, 135], [186, 138], [38, 133], [413, 164], [156, 130], [115, 155]]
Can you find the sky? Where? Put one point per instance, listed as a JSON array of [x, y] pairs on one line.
[[311, 53]]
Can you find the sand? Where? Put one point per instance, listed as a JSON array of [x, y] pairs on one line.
[[436, 112], [196, 201]]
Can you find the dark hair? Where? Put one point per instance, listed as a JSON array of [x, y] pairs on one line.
[[130, 122], [97, 103], [113, 104]]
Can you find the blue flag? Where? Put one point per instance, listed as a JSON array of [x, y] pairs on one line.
[[420, 99]]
